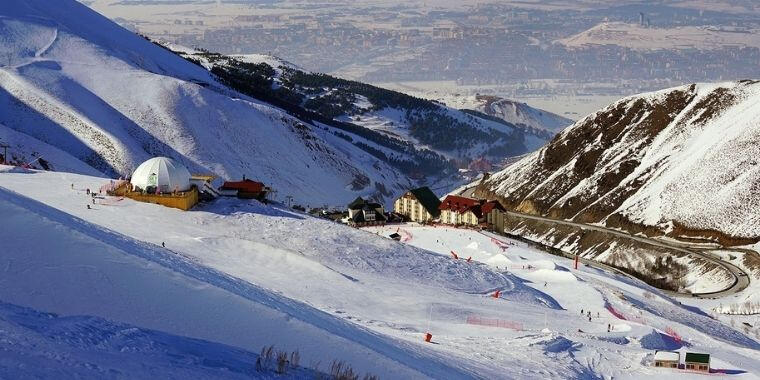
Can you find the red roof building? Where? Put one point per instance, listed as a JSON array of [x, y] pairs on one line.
[[245, 189], [468, 211]]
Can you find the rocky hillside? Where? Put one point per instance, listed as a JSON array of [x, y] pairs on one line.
[[681, 162]]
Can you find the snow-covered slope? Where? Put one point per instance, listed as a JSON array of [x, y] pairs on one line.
[[398, 127], [247, 275], [110, 99], [682, 161], [511, 111], [43, 345]]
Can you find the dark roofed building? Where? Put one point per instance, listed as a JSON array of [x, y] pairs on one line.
[[365, 213], [495, 214], [418, 205], [697, 362]]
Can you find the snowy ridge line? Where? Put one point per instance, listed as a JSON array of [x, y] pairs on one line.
[[398, 351]]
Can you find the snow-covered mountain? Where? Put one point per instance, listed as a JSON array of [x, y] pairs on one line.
[[416, 135], [87, 95], [681, 162], [517, 113]]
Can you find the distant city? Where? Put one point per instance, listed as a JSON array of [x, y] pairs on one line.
[[513, 49]]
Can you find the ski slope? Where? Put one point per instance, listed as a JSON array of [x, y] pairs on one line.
[[640, 317], [246, 275], [72, 80]]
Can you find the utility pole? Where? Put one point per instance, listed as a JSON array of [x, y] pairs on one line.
[[5, 152]]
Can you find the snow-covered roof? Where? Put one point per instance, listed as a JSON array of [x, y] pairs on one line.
[[162, 172], [667, 356]]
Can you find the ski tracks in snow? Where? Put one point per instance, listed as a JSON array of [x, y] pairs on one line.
[[49, 45], [428, 363]]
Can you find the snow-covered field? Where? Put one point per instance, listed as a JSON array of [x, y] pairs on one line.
[[246, 275]]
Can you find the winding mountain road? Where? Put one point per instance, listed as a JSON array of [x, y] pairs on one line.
[[741, 278]]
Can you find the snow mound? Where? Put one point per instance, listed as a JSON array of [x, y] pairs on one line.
[[541, 264], [549, 275], [499, 260], [557, 344], [659, 341], [473, 245]]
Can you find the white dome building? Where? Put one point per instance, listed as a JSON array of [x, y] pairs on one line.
[[161, 172]]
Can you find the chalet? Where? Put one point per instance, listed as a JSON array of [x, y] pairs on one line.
[[667, 359], [495, 215], [245, 189], [697, 362], [365, 213], [458, 210], [418, 205]]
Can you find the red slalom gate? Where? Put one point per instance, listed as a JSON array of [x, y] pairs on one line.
[[493, 322], [500, 244], [453, 254]]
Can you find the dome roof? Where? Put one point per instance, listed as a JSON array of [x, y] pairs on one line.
[[168, 175]]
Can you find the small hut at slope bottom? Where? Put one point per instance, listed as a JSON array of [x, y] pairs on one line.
[[160, 180]]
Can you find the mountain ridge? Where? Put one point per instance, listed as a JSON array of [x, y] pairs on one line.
[[644, 162]]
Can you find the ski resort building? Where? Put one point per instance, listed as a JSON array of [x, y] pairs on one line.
[[667, 359], [697, 362], [363, 213], [494, 213], [160, 180], [418, 205], [245, 189], [458, 210]]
